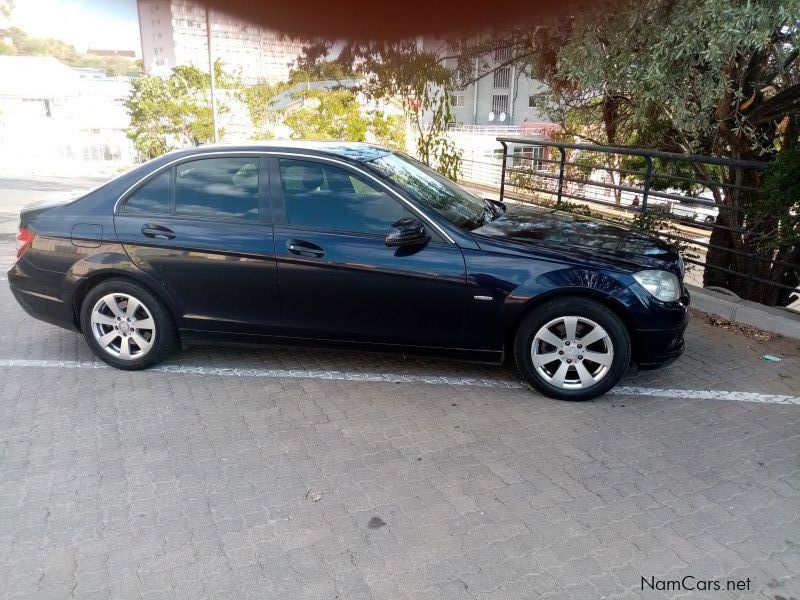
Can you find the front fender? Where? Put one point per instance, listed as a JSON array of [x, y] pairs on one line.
[[504, 287]]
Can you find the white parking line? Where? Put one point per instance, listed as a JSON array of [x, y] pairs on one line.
[[706, 395], [396, 378], [280, 373]]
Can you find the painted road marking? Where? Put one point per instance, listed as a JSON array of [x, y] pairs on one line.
[[397, 378]]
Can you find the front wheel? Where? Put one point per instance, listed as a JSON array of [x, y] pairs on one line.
[[572, 348], [126, 325]]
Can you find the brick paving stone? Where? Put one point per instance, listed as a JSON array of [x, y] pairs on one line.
[[169, 485]]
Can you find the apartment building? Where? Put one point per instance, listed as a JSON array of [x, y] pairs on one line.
[[173, 32], [502, 97], [498, 103]]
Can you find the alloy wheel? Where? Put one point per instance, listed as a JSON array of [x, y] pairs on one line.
[[123, 326], [572, 353]]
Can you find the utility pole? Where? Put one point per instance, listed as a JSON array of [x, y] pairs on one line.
[[213, 78]]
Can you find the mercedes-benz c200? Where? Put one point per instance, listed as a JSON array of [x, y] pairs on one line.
[[349, 244]]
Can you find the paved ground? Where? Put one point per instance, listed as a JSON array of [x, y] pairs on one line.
[[17, 191], [277, 473]]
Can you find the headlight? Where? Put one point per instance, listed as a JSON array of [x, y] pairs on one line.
[[661, 284]]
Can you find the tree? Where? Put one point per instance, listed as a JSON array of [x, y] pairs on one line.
[[258, 99], [418, 79], [338, 115], [169, 113], [717, 77]]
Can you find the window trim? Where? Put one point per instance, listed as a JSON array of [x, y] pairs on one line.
[[278, 153], [264, 203], [146, 181]]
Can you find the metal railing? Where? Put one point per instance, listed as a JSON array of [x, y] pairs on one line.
[[486, 129], [689, 197]]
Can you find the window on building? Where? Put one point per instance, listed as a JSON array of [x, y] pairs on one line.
[[221, 188], [151, 198], [457, 100], [502, 77], [499, 104], [322, 196], [526, 156], [502, 54], [531, 101]]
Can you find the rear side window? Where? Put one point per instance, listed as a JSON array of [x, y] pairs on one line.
[[151, 198], [225, 188]]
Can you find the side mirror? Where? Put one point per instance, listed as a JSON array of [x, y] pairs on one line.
[[406, 232]]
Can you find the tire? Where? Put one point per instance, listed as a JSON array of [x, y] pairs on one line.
[[564, 369], [129, 348]]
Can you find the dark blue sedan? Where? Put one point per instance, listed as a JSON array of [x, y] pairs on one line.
[[348, 244]]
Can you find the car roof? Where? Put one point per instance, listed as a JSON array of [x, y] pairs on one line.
[[359, 151]]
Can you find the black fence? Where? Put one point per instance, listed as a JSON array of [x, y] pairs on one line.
[[700, 203]]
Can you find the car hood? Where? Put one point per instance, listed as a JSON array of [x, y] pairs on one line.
[[574, 233]]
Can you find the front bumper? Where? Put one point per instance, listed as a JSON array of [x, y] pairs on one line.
[[660, 346]]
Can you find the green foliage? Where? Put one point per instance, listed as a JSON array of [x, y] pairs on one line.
[[169, 113], [329, 115], [389, 130], [434, 148], [337, 115], [781, 197], [399, 70], [319, 71], [258, 99]]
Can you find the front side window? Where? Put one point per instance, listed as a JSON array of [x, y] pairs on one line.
[[152, 198], [221, 188], [431, 189], [320, 195]]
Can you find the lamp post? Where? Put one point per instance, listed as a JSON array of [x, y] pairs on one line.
[[213, 78]]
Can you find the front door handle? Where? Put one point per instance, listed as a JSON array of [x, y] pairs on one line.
[[303, 248], [160, 232]]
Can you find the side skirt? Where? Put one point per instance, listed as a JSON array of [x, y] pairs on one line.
[[195, 337]]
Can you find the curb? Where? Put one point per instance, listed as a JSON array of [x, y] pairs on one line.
[[731, 308]]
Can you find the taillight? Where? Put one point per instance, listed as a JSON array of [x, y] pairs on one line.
[[24, 238]]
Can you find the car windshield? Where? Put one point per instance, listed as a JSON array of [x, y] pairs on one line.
[[429, 188]]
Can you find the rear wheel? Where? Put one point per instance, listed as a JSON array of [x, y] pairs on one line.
[[572, 348], [126, 325]]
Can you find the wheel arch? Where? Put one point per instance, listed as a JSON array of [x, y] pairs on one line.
[[586, 293], [87, 283]]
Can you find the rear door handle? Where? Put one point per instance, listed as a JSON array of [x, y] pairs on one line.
[[160, 232], [303, 248]]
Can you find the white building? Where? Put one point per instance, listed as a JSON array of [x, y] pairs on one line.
[[499, 103], [173, 33], [52, 115]]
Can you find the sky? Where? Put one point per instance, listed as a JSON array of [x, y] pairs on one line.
[[100, 24]]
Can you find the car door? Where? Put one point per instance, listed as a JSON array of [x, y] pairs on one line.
[[339, 280], [202, 229]]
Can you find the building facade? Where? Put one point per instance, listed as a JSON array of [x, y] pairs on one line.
[[173, 33], [53, 116], [499, 103], [502, 97]]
